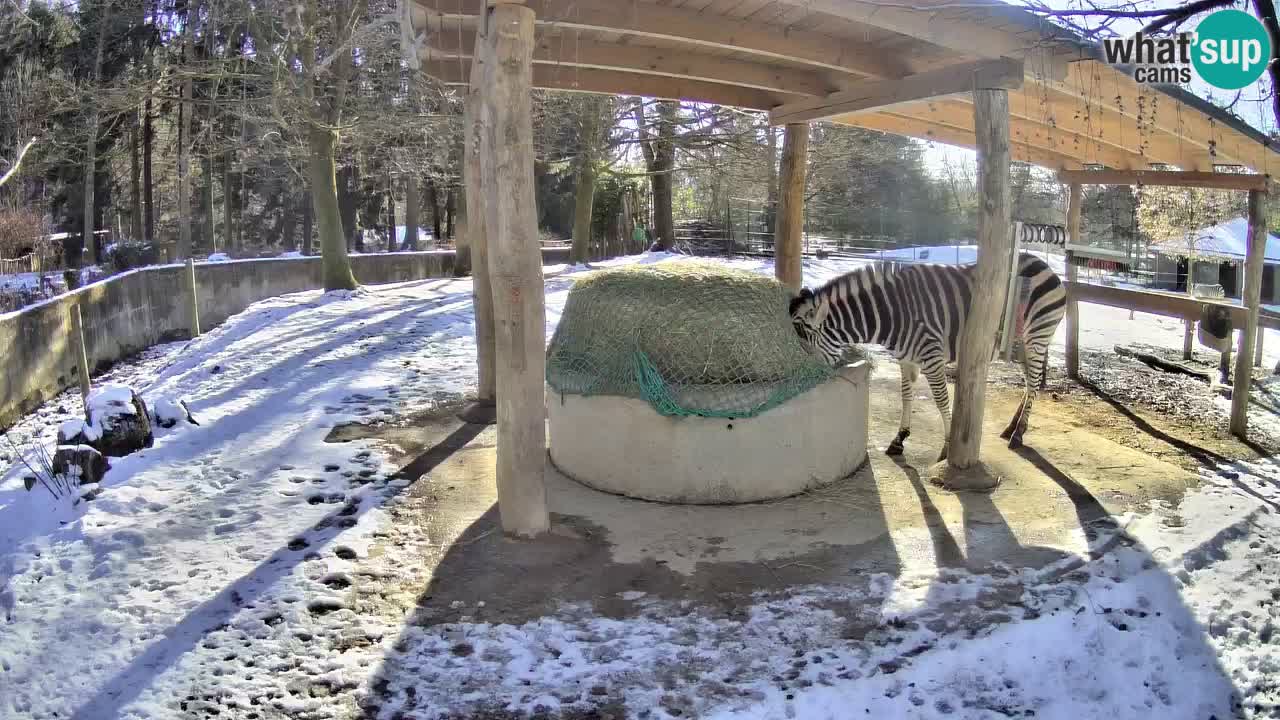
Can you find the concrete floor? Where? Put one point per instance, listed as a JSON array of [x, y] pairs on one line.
[[1056, 496]]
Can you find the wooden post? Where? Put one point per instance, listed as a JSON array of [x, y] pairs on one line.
[[1251, 297], [991, 123], [1257, 347], [193, 309], [1187, 335], [515, 265], [482, 411], [82, 354], [1075, 202], [789, 222], [1014, 287]]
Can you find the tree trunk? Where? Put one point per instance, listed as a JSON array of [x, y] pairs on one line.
[[288, 221], [228, 202], [135, 181], [665, 157], [391, 213], [348, 181], [450, 209], [308, 232], [584, 194], [433, 202], [148, 187], [789, 242], [206, 202], [184, 173], [91, 153], [412, 203], [324, 199], [506, 156], [771, 209]]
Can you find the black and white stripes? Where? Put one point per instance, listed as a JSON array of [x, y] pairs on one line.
[[917, 312]]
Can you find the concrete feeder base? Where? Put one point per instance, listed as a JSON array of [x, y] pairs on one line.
[[621, 445]]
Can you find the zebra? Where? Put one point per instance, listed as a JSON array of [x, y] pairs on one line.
[[917, 313]]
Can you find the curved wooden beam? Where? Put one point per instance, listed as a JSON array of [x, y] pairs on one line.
[[616, 82], [566, 50], [685, 26]]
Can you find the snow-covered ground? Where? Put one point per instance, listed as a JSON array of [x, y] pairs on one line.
[[208, 574]]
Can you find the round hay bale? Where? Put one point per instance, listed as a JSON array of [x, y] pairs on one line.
[[690, 337]]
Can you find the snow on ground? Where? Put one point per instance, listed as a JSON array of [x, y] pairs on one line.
[[208, 575]]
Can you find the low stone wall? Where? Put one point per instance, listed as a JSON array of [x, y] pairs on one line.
[[130, 312]]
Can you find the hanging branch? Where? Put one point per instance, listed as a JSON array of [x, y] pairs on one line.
[[13, 170]]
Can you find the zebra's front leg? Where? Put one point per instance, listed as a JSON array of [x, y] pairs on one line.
[[935, 373], [910, 371]]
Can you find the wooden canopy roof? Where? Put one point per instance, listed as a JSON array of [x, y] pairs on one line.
[[899, 67]]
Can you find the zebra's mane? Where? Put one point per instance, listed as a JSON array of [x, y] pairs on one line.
[[857, 282]]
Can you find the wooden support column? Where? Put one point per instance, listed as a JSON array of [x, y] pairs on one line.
[[1075, 202], [515, 265], [991, 122], [1250, 298], [483, 410], [789, 224]]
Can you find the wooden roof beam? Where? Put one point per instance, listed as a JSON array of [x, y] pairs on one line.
[[1168, 178], [914, 127], [570, 52], [684, 26], [1026, 134], [1003, 74], [615, 82], [971, 37]]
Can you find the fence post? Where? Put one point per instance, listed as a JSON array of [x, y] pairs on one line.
[[1011, 299], [194, 308], [1075, 202], [82, 356]]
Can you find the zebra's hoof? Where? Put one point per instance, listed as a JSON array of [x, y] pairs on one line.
[[1015, 442], [942, 455], [1008, 433], [895, 448]]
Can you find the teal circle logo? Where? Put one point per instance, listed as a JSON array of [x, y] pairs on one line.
[[1231, 49]]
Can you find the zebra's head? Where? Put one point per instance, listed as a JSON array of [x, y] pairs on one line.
[[808, 313]]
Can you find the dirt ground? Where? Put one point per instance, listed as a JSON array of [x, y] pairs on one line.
[[443, 559], [1171, 417]]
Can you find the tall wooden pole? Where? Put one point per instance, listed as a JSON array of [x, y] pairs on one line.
[[193, 298], [1251, 297], [1075, 202], [515, 265], [82, 354], [789, 222], [474, 251], [991, 123]]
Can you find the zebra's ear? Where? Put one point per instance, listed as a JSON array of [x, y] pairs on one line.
[[797, 300], [820, 312]]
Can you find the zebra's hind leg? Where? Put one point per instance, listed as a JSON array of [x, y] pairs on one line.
[[1033, 368], [936, 375], [910, 371]]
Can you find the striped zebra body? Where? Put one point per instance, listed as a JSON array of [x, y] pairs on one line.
[[918, 313]]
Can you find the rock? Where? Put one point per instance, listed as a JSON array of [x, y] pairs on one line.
[[119, 417], [167, 412], [76, 432], [80, 461]]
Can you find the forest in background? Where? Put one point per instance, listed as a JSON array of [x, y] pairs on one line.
[[190, 127]]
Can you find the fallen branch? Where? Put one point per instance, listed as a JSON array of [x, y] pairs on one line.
[[1160, 363]]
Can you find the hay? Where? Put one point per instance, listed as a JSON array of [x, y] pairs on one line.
[[690, 337]]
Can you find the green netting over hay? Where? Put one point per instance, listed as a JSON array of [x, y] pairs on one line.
[[689, 337]]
